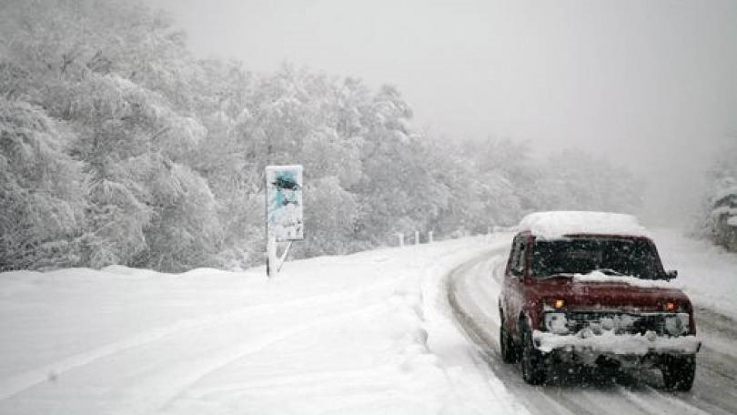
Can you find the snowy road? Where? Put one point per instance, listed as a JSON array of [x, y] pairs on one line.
[[472, 293]]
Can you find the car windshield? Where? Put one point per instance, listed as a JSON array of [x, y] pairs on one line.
[[632, 257]]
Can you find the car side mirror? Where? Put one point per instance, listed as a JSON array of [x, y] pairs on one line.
[[671, 274]]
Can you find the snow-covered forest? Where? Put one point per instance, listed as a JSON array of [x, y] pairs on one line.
[[720, 205], [117, 146]]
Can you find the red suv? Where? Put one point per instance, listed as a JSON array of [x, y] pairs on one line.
[[589, 288]]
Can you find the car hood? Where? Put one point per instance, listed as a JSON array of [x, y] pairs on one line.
[[609, 295]]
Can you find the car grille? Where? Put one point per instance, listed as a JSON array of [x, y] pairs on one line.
[[620, 323]]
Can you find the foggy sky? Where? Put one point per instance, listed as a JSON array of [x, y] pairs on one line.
[[648, 83]]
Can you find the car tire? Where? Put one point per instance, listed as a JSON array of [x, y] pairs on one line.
[[533, 362], [679, 372], [506, 345]]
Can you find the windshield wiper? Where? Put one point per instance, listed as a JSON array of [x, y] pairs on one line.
[[558, 275], [609, 271], [605, 271]]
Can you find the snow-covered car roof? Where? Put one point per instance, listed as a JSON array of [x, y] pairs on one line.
[[552, 225]]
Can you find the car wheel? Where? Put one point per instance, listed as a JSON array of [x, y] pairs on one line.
[[533, 362], [679, 372], [506, 345]]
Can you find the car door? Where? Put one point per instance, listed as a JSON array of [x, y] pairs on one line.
[[512, 289]]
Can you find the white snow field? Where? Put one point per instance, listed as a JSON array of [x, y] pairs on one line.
[[347, 335], [396, 331]]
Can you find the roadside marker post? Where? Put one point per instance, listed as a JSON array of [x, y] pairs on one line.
[[400, 237]]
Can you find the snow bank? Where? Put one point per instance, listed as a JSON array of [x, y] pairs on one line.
[[553, 225]]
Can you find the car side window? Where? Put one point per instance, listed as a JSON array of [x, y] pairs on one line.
[[518, 258], [512, 263]]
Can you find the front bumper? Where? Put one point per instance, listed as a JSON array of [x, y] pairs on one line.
[[611, 344]]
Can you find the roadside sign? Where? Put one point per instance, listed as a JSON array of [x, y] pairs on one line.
[[284, 208]]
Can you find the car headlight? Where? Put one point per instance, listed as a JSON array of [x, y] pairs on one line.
[[677, 324], [556, 323]]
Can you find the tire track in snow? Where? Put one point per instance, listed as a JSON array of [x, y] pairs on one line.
[[646, 402]]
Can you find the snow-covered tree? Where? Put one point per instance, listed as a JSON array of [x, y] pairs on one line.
[[40, 190], [720, 222], [332, 215], [115, 74]]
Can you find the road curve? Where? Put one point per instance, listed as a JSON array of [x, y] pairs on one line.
[[472, 295]]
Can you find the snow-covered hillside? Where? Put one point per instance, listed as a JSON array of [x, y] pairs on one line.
[[366, 333], [329, 335], [706, 272]]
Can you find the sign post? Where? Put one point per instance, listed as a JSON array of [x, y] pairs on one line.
[[284, 210]]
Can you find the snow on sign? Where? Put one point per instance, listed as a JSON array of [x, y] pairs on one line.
[[284, 203]]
